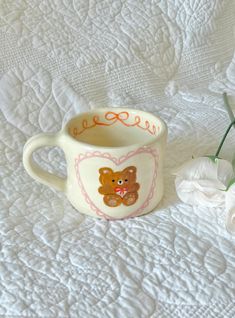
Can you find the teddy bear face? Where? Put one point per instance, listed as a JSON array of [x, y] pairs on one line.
[[118, 186]]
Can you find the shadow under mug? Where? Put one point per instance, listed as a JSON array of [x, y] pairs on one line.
[[114, 162]]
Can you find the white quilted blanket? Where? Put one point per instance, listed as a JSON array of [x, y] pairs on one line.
[[60, 57]]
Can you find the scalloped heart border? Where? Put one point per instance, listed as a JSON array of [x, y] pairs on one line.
[[117, 162]]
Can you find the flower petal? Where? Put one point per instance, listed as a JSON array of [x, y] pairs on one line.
[[203, 181], [198, 168], [230, 208], [205, 168], [195, 168], [200, 192], [224, 171]]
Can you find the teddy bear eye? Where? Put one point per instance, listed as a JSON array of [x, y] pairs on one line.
[[113, 180], [126, 180]]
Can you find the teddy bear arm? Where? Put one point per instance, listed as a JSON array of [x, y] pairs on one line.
[[106, 189], [134, 187]]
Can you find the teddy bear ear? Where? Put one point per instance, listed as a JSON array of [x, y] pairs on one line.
[[131, 169], [105, 171]]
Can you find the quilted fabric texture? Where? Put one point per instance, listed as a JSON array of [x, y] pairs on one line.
[[58, 58]]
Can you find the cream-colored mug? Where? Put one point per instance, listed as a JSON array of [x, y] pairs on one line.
[[114, 162]]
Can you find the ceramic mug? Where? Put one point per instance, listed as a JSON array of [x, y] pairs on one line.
[[114, 162]]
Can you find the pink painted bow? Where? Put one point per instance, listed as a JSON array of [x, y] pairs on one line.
[[121, 191]]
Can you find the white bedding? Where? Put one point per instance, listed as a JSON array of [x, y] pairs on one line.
[[60, 57]]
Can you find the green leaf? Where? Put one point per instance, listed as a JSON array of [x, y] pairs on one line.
[[231, 182]]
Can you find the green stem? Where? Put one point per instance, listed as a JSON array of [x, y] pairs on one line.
[[224, 137], [228, 108]]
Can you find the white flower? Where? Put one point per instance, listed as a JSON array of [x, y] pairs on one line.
[[230, 208], [200, 181]]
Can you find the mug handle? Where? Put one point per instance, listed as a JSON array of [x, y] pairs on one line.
[[33, 169]]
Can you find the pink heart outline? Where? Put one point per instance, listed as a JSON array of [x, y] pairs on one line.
[[117, 162]]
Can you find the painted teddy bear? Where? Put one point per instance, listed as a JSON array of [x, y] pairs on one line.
[[119, 187]]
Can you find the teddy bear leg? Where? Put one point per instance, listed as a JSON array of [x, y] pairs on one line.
[[112, 200], [130, 198]]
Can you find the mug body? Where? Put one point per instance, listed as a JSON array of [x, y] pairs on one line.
[[114, 162]]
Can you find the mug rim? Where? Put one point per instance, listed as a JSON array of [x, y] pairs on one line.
[[158, 137]]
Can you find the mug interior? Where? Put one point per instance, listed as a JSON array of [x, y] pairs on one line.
[[115, 127]]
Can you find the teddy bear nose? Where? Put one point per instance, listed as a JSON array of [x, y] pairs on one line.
[[120, 182]]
